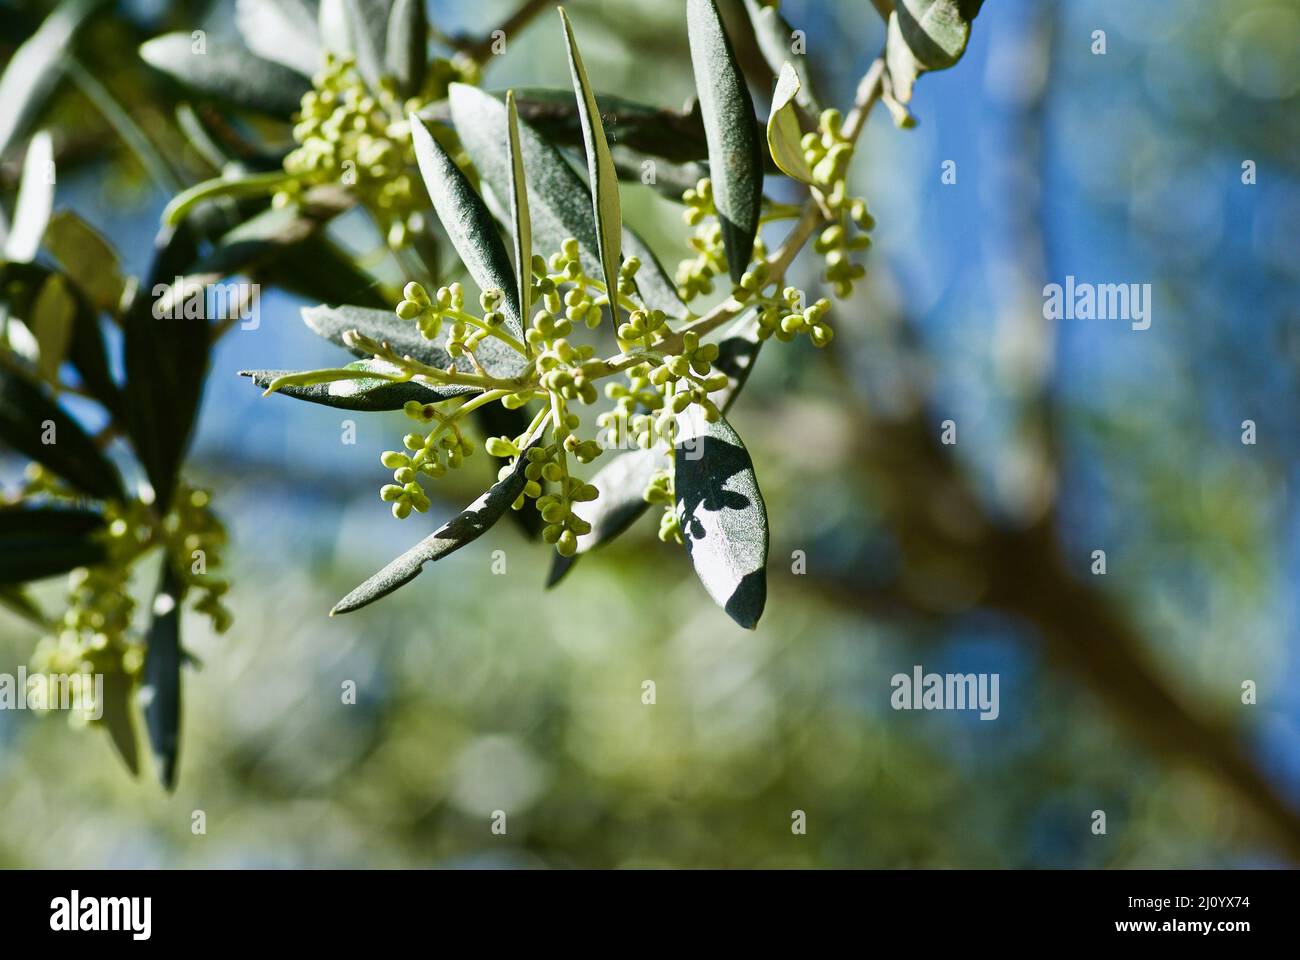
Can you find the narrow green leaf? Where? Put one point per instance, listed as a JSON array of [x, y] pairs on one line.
[[334, 27], [247, 185], [87, 258], [783, 130], [38, 542], [601, 176], [33, 71], [737, 353], [557, 197], [467, 221], [227, 73], [722, 516], [365, 394], [368, 32], [53, 316], [35, 200], [622, 483], [333, 323], [119, 717], [34, 425], [735, 156], [407, 53], [281, 30], [166, 360], [160, 692], [20, 283], [521, 225], [777, 42], [465, 527]]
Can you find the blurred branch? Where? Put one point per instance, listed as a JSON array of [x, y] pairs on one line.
[[479, 48], [947, 537]]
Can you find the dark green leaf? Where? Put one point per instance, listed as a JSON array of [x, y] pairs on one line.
[[408, 45], [465, 527], [557, 197], [37, 542], [384, 325], [227, 73], [622, 483], [19, 285], [735, 154], [166, 361], [601, 176], [28, 418], [670, 135], [737, 353], [119, 717], [467, 221], [365, 395], [160, 692], [722, 516], [281, 30], [33, 71]]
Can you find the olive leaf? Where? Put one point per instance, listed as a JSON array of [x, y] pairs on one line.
[[367, 22], [673, 135], [558, 207], [601, 175], [722, 515], [783, 130], [20, 283], [352, 393], [467, 526], [281, 30], [36, 426], [51, 322], [407, 46], [38, 542], [925, 35], [520, 222], [119, 718], [623, 480], [333, 323], [467, 221], [35, 200], [166, 361], [87, 257], [34, 70], [160, 692], [776, 39], [735, 157], [622, 483], [227, 73]]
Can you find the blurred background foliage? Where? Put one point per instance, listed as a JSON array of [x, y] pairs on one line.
[[478, 692]]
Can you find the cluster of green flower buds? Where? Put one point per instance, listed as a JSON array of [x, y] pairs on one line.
[[567, 370], [642, 325], [428, 312], [788, 317], [196, 538], [431, 455], [828, 153], [659, 492], [350, 135], [577, 303], [695, 275]]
